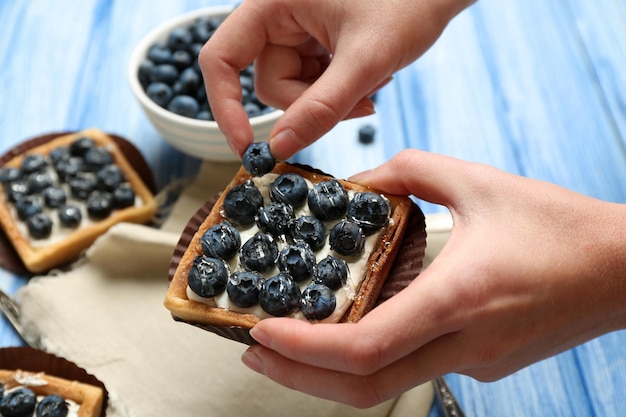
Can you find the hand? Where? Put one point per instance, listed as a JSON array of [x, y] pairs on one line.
[[530, 270], [320, 60]]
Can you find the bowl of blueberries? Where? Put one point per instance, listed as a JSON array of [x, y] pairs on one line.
[[165, 78]]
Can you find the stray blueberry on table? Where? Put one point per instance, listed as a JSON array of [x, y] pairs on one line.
[[275, 218], [298, 261], [242, 202], [367, 134], [331, 272], [280, 295], [369, 210], [70, 215], [39, 226], [290, 188], [18, 403], [99, 205], [328, 200], [221, 241], [208, 277], [309, 229], [259, 253], [243, 288], [257, 159], [346, 238], [317, 302], [52, 406]]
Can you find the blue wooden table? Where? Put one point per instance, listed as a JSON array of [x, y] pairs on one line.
[[534, 87]]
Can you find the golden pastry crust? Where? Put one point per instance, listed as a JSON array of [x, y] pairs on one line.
[[379, 262], [88, 397], [39, 258]]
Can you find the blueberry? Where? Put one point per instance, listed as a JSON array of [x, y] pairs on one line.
[[184, 105], [123, 196], [80, 146], [99, 205], [39, 226], [189, 82], [110, 177], [69, 215], [346, 238], [52, 406], [82, 185], [317, 302], [165, 73], [252, 109], [242, 203], [28, 206], [367, 134], [243, 288], [328, 200], [308, 229], [57, 154], [257, 159], [179, 38], [97, 158], [280, 295], [181, 59], [54, 196], [275, 218], [143, 73], [331, 272], [298, 261], [67, 168], [369, 210], [221, 241], [208, 276], [159, 53], [160, 93], [39, 181], [17, 190], [290, 188], [34, 163], [9, 175], [204, 115], [18, 403], [259, 253]]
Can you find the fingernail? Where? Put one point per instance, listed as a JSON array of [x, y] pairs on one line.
[[284, 144], [260, 336], [252, 361]]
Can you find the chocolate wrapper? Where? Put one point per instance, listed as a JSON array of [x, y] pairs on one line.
[[33, 360]]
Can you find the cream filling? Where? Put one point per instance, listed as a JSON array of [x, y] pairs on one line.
[[27, 380], [357, 264]]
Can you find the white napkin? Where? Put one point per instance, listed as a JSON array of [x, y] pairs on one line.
[[107, 315]]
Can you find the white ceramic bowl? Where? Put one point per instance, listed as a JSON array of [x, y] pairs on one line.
[[199, 138]]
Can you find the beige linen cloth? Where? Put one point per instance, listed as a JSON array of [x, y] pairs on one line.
[[107, 315]]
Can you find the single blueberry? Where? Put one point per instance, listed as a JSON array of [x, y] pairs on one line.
[[28, 206], [70, 215], [160, 93], [201, 31], [221, 241], [190, 81], [99, 205], [17, 190], [259, 253], [39, 181], [160, 53], [82, 184], [369, 210], [204, 115], [328, 200], [243, 288], [367, 134], [252, 109], [208, 276], [34, 163], [18, 403], [39, 226], [110, 177], [165, 73], [317, 302], [179, 38], [143, 73], [290, 188], [308, 229], [184, 105], [68, 168], [331, 272], [80, 146], [346, 238], [54, 196], [280, 295], [52, 406], [275, 218], [8, 175], [97, 158], [298, 261], [242, 202], [57, 154], [257, 159], [181, 59], [123, 196]]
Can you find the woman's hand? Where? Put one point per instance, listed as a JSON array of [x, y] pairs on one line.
[[530, 270], [320, 60]]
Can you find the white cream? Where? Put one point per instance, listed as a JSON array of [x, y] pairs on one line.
[[357, 264]]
